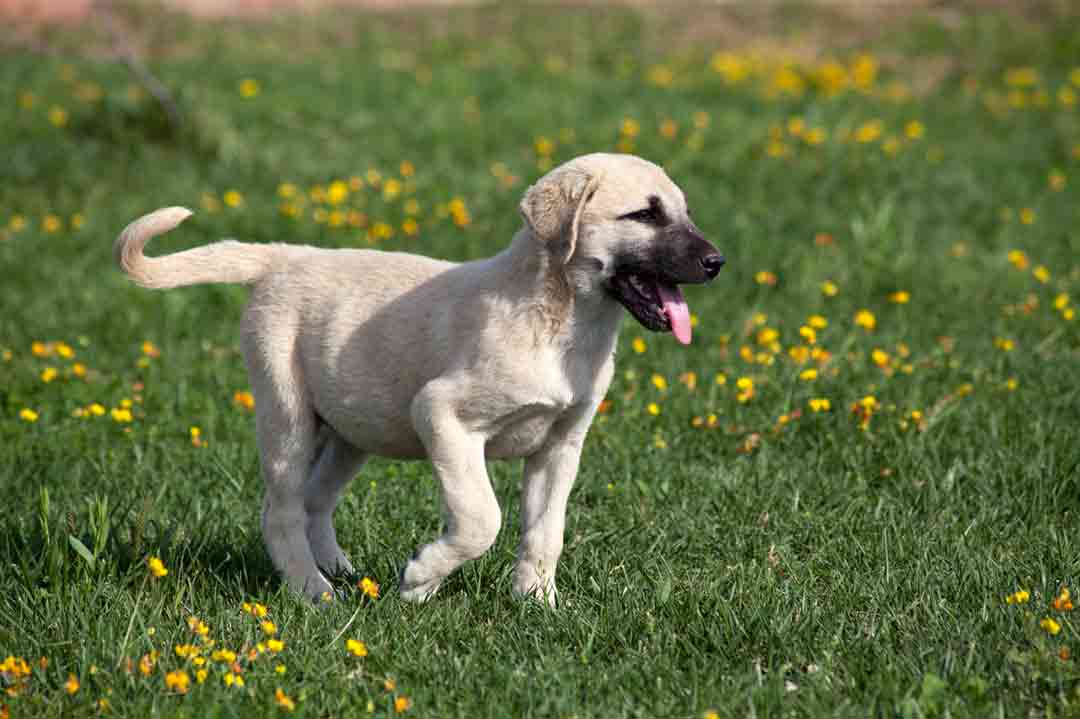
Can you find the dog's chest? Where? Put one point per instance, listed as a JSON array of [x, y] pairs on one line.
[[523, 433]]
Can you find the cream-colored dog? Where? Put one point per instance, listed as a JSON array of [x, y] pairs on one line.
[[360, 352]]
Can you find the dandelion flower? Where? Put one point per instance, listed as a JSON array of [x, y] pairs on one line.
[[356, 647], [268, 627], [72, 684], [653, 408], [402, 704], [900, 297], [808, 375], [283, 701], [1051, 627], [178, 681], [369, 587], [866, 320], [249, 88], [28, 415], [157, 567], [275, 645], [659, 382], [829, 289], [820, 405]]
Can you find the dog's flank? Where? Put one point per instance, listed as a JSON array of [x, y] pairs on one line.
[[353, 353], [227, 261]]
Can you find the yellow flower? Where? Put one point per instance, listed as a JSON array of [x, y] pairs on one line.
[[58, 116], [1050, 626], [279, 668], [808, 333], [255, 610], [369, 587], [48, 374], [653, 408], [157, 567], [1056, 180], [659, 382], [710, 714], [829, 289], [869, 131], [121, 415], [78, 369], [402, 704], [356, 647], [28, 415], [72, 684], [249, 88], [283, 701], [232, 679], [808, 375], [1027, 215], [914, 130], [275, 645], [866, 320], [198, 626], [96, 409], [244, 399], [720, 379], [817, 322], [233, 198], [799, 353], [820, 405], [1003, 344], [268, 627], [1018, 259], [900, 297], [1042, 274], [1011, 384], [765, 277], [200, 675], [880, 357], [1061, 301], [178, 681], [223, 655]]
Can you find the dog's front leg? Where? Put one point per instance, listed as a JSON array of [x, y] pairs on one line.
[[471, 510], [549, 476]]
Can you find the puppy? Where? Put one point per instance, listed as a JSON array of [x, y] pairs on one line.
[[359, 352]]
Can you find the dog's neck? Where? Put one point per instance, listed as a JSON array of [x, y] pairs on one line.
[[568, 315]]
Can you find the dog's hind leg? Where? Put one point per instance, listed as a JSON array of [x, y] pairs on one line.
[[286, 429], [335, 466]]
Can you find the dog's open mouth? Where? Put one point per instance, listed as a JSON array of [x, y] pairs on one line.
[[656, 304]]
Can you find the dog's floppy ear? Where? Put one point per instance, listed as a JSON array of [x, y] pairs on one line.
[[553, 207]]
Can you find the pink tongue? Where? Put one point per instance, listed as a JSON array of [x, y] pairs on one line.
[[677, 312]]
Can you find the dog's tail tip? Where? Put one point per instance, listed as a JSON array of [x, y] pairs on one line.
[[128, 249]]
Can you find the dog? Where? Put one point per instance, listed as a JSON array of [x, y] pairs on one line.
[[353, 353]]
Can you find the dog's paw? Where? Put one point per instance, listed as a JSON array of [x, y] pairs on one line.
[[414, 586], [538, 590]]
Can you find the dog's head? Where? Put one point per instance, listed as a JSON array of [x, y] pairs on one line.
[[620, 228]]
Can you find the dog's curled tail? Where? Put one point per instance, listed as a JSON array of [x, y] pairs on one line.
[[226, 261]]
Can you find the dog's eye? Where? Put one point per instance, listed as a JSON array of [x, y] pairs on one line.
[[647, 216]]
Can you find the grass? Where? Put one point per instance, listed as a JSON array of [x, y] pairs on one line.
[[745, 557]]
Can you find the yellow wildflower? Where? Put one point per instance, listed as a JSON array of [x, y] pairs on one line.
[[275, 645], [1041, 273], [283, 701], [157, 567], [244, 399], [808, 375], [809, 334], [233, 198], [817, 322], [820, 405], [900, 297], [1018, 259], [1050, 626], [72, 684], [249, 88], [356, 647], [121, 415], [659, 382], [653, 408], [268, 627], [720, 379], [829, 289], [866, 320], [223, 655], [48, 374], [1027, 215], [28, 415], [178, 681], [402, 704], [58, 116], [369, 587], [1004, 344]]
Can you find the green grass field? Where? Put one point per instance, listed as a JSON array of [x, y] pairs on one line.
[[900, 220]]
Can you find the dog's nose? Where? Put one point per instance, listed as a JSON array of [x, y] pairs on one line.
[[712, 264]]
